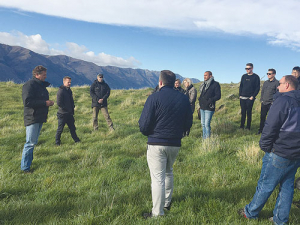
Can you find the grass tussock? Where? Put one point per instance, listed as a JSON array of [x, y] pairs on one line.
[[105, 179]]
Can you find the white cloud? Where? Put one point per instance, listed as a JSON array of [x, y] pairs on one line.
[[275, 19], [38, 45]]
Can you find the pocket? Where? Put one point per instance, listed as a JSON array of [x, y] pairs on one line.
[[280, 162]]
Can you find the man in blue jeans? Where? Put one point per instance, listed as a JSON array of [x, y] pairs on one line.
[[280, 140], [36, 103]]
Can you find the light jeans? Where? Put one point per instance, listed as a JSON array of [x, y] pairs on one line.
[[206, 116], [32, 135], [160, 161], [275, 170]]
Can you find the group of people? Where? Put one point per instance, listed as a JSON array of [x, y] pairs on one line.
[[36, 104], [167, 117]]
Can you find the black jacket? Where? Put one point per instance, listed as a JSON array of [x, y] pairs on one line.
[[65, 100], [250, 85], [166, 115], [281, 131], [97, 91], [208, 98], [35, 95]]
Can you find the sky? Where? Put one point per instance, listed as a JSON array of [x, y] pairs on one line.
[[187, 37]]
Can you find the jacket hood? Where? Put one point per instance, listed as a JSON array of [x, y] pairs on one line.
[[293, 94]]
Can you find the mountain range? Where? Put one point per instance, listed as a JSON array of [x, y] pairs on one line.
[[17, 63]]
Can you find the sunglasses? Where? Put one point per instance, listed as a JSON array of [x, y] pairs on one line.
[[269, 73], [248, 68]]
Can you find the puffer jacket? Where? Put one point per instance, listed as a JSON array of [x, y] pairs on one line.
[[35, 95], [166, 115], [281, 133], [99, 90]]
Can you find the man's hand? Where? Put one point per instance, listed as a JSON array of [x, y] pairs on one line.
[[100, 101], [251, 98], [49, 103]]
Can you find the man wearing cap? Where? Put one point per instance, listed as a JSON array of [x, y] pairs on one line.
[[267, 92], [100, 92]]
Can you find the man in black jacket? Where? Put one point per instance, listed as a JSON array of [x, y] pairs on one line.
[[100, 92], [36, 103], [210, 92], [280, 140], [166, 116], [267, 92], [65, 112], [249, 88]]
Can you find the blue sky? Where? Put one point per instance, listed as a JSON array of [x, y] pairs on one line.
[[187, 37]]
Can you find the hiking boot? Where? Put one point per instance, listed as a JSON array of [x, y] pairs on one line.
[[168, 208], [241, 212]]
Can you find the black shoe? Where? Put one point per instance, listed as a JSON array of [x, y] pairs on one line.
[[57, 143], [147, 215], [78, 140], [169, 207], [241, 127], [241, 212]]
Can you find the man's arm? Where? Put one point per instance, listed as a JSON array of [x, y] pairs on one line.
[[257, 86], [147, 119], [92, 93], [276, 117], [107, 94], [241, 86]]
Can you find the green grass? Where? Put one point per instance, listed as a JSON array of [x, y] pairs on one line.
[[105, 178]]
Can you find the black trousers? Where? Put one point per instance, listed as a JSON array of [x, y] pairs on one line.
[[263, 115], [246, 109], [70, 121]]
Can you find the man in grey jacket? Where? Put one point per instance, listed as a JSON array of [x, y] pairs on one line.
[[268, 90]]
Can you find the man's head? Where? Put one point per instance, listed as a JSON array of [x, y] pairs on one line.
[[100, 77], [67, 81], [249, 68], [177, 83], [40, 73], [187, 82], [207, 75], [296, 71], [166, 78], [287, 83], [271, 74]]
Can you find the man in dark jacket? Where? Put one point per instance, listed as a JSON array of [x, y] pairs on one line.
[[36, 103], [100, 92], [166, 116], [249, 88], [267, 92], [210, 92], [296, 73], [65, 112], [280, 140]]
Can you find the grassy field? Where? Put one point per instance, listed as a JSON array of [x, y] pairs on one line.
[[105, 178]]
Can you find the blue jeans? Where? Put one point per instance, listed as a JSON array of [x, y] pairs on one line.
[[275, 170], [32, 135], [206, 116]]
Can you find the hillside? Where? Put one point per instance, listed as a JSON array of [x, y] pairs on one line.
[[105, 178], [17, 63]]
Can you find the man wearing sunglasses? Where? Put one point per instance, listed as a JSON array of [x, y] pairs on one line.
[[249, 88], [268, 90]]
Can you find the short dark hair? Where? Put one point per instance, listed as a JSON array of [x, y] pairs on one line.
[[100, 75], [293, 81], [67, 77], [297, 68], [167, 77], [209, 73], [273, 70], [249, 64], [38, 70]]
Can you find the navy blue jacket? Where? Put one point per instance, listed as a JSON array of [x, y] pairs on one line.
[[65, 100], [281, 133], [35, 95], [166, 115]]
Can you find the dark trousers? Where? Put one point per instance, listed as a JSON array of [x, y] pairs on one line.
[[70, 121], [263, 115], [246, 109]]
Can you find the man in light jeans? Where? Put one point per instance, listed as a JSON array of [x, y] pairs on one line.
[[36, 103], [166, 116], [280, 140]]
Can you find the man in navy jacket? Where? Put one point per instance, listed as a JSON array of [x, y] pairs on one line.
[[280, 140], [166, 116]]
